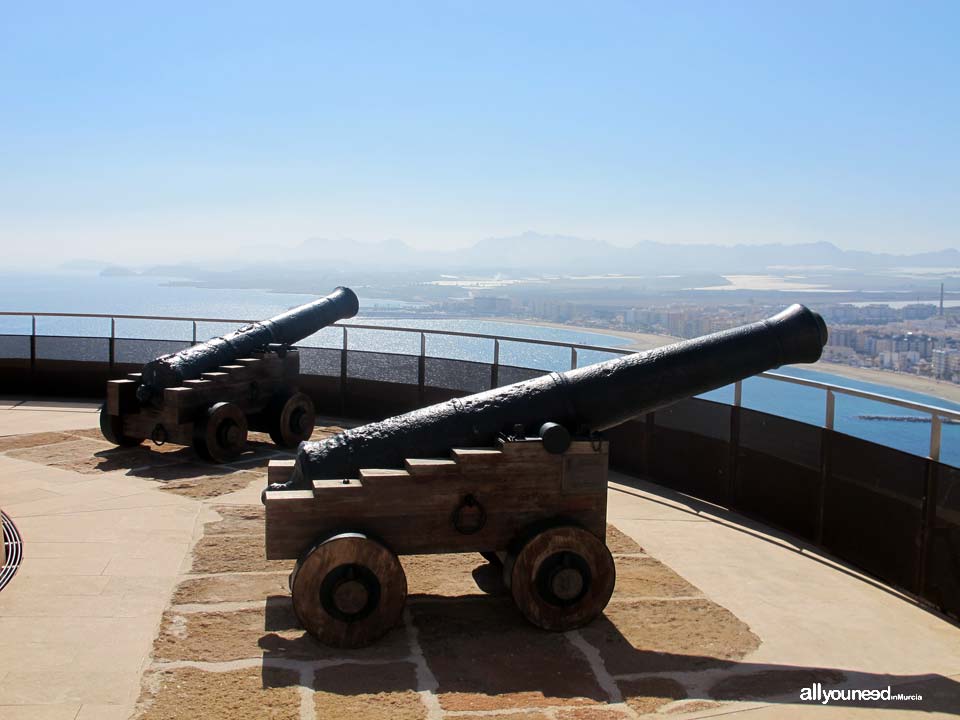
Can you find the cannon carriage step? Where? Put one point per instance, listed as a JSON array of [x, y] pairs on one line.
[[215, 411], [209, 395], [543, 513]]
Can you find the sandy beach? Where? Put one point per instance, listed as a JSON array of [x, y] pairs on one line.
[[928, 386], [644, 341], [638, 341]]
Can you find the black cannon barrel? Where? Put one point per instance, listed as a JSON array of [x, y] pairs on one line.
[[592, 398], [284, 329]]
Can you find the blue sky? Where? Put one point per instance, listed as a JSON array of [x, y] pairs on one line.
[[204, 128]]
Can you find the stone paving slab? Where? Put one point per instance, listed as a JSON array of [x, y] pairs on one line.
[[24, 415], [144, 593]]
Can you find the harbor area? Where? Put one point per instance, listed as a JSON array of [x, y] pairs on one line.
[[143, 592]]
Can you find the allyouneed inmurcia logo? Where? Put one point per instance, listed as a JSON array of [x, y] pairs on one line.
[[816, 693]]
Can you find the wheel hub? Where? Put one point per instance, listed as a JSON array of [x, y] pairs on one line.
[[350, 592], [296, 420], [563, 578], [230, 434], [350, 597], [567, 584]]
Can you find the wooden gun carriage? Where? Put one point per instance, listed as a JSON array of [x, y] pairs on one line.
[[211, 394], [464, 476], [545, 514]]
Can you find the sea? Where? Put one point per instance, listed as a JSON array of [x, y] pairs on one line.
[[140, 295]]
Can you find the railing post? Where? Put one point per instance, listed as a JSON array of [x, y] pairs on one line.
[[573, 358], [928, 523], [495, 368], [422, 368], [732, 461], [935, 427], [113, 347], [33, 351], [194, 332], [826, 442], [343, 374]]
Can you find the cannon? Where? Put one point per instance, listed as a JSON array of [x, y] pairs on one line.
[[517, 473], [210, 394]]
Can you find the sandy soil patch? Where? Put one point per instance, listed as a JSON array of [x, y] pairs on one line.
[[371, 692], [618, 542], [205, 487], [646, 577], [234, 553], [17, 442], [86, 456], [271, 632], [188, 694], [231, 588], [692, 706], [450, 575], [662, 635], [648, 695], [604, 712], [486, 657], [237, 520]]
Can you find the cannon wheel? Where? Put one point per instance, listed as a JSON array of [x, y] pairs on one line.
[[290, 419], [562, 578], [221, 434], [349, 591], [111, 427]]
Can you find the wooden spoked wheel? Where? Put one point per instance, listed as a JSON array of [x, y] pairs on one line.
[[221, 434], [111, 427], [349, 590], [291, 419], [562, 578]]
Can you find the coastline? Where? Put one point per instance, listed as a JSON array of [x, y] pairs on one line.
[[928, 386], [640, 341], [645, 341]]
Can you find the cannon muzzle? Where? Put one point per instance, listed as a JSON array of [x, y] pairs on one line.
[[592, 398], [284, 329]]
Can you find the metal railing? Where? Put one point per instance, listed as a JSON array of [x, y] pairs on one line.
[[937, 414]]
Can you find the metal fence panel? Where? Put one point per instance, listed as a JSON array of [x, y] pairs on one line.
[[791, 441], [384, 367], [320, 361], [88, 349], [15, 347], [778, 471], [508, 374], [138, 352], [457, 374], [873, 507], [701, 417], [942, 582]]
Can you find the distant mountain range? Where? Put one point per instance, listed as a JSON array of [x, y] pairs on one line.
[[563, 254], [536, 255]]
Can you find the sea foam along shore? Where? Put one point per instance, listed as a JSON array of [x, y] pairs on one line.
[[645, 341]]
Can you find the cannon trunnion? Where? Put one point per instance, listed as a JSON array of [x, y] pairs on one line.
[[543, 514], [209, 395]]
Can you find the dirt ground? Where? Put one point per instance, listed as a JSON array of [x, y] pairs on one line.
[[463, 647], [229, 645]]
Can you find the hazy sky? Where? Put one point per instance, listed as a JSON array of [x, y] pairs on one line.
[[156, 131]]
